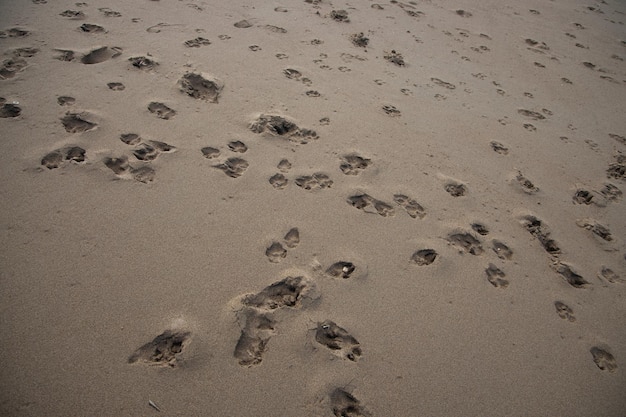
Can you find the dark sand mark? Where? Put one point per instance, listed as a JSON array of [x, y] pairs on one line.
[[424, 257], [564, 311], [603, 359], [317, 181], [345, 404], [26, 52], [340, 16], [467, 242], [65, 55], [527, 185], [280, 126], [499, 148], [463, 13], [292, 74], [391, 110], [243, 24], [395, 58], [341, 269], [291, 292], [455, 190], [119, 165], [234, 167], [360, 40], [210, 152], [165, 349], [9, 110], [201, 88], [570, 276], [313, 93], [531, 114], [161, 110], [130, 138], [101, 55], [496, 276], [116, 86], [278, 181], [197, 42], [618, 138], [412, 207], [292, 238], [75, 123], [443, 84], [91, 28], [276, 252], [66, 100], [540, 231], [596, 228], [237, 146], [142, 63], [73, 14], [122, 168], [480, 228], [502, 250], [363, 201], [353, 164], [617, 169], [338, 340], [609, 275], [275, 29], [108, 12]]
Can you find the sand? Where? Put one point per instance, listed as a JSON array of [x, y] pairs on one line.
[[312, 208]]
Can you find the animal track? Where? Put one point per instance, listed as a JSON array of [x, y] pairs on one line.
[[11, 67], [496, 276], [443, 84], [292, 238], [116, 86], [609, 275], [280, 126], [130, 138], [276, 252], [75, 123], [527, 186], [234, 167], [467, 242], [317, 181], [570, 276], [123, 169], [603, 359], [596, 228], [143, 63], [412, 207], [424, 257], [455, 190], [502, 250], [58, 157], [165, 349], [237, 146], [284, 165], [391, 110], [499, 148], [337, 339], [345, 404], [353, 164], [364, 201], [91, 28], [531, 114], [541, 232], [339, 15], [278, 181], [149, 151], [161, 110], [564, 311], [197, 42], [395, 58], [341, 269], [201, 88]]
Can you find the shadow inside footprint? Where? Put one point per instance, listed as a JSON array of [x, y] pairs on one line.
[[338, 340], [163, 349]]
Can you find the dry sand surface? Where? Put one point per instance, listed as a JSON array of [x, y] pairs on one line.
[[313, 208]]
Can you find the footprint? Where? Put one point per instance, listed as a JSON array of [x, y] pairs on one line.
[[73, 14], [341, 269], [284, 165], [243, 24], [210, 153], [467, 242], [292, 74], [11, 67], [337, 339], [603, 359], [165, 349], [291, 292], [391, 110], [317, 181], [143, 63], [596, 228], [364, 201], [149, 151], [541, 232], [123, 169], [527, 186], [161, 110], [276, 252], [197, 42], [101, 55], [280, 126], [570, 276], [530, 127], [395, 58], [65, 55], [455, 189], [360, 201], [353, 164], [278, 181], [130, 138], [345, 404], [384, 209], [502, 250], [499, 148], [256, 333], [412, 207], [424, 257], [237, 146], [292, 238], [75, 123], [564, 311], [359, 39], [108, 12], [9, 110], [116, 86], [463, 13], [609, 275], [66, 101], [234, 167], [443, 84], [582, 197], [91, 28], [313, 93], [480, 228], [340, 16], [496, 276], [201, 88], [58, 157]]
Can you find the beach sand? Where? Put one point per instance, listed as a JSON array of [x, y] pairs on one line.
[[313, 208]]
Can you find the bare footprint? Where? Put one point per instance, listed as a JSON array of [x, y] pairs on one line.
[[571, 277], [337, 339], [165, 349]]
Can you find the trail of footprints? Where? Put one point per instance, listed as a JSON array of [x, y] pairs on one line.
[[257, 316]]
